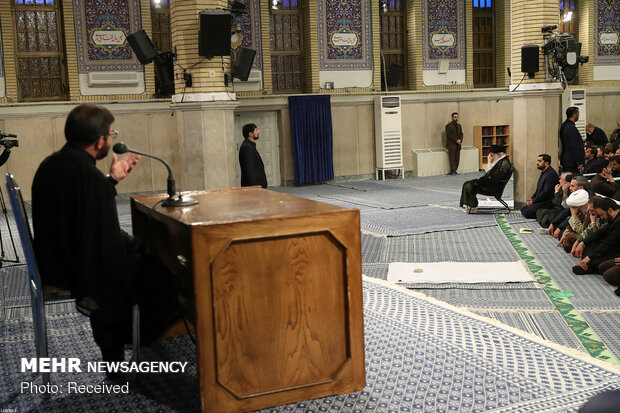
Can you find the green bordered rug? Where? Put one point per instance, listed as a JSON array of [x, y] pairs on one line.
[[588, 338]]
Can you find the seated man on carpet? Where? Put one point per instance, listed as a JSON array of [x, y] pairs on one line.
[[592, 224], [604, 183], [493, 181], [611, 272], [546, 216], [602, 245], [578, 221], [593, 163], [545, 188], [80, 246], [560, 222]]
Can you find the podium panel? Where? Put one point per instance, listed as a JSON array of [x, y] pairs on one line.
[[277, 291]]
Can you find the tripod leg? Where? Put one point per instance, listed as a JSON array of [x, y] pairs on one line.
[[8, 225]]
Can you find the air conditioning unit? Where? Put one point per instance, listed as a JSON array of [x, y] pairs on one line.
[[577, 98], [107, 79], [388, 132], [256, 76]]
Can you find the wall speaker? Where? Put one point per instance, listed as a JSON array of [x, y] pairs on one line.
[[393, 75], [529, 59], [142, 47], [243, 63], [214, 33]]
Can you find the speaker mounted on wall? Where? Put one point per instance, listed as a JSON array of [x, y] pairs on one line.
[[529, 59], [142, 46], [243, 63], [214, 33]]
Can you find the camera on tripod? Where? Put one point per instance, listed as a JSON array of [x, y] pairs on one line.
[[8, 140], [562, 55]]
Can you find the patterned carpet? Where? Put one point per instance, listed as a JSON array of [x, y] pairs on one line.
[[421, 355], [413, 364]]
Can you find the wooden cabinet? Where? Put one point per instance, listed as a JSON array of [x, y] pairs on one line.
[[485, 136], [278, 293]]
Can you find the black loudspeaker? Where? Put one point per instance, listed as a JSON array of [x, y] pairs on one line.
[[142, 47], [529, 59], [243, 63], [393, 75], [214, 33]]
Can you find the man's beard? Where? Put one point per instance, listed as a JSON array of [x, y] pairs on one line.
[[103, 152]]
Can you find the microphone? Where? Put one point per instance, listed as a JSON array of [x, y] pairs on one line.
[[7, 135], [121, 148]]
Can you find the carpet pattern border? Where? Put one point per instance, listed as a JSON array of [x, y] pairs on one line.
[[578, 325]]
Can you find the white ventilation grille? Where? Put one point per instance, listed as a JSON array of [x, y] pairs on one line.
[[106, 79], [388, 132], [577, 98]]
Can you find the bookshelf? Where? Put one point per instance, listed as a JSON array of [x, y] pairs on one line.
[[485, 136]]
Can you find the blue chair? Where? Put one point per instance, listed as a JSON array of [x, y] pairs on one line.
[[38, 298]]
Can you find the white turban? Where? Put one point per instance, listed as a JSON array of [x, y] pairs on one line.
[[578, 198]]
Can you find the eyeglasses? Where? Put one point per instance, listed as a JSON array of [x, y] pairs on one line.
[[114, 134]]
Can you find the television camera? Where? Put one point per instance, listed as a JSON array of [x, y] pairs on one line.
[[562, 55], [6, 142]]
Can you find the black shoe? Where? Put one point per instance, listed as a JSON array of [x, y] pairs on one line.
[[578, 270], [617, 292]]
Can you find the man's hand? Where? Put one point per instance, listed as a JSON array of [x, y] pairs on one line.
[[458, 141], [550, 229], [617, 261], [529, 202], [584, 263], [561, 241], [557, 187], [578, 251], [580, 167], [557, 232], [119, 169]]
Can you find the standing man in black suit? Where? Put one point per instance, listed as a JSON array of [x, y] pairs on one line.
[[572, 156], [454, 139], [252, 167], [545, 188]]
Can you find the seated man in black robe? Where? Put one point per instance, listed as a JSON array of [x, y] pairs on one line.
[[80, 246], [491, 183]]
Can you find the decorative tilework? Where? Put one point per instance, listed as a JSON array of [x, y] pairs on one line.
[[101, 30], [344, 35], [443, 28], [607, 25], [249, 34]]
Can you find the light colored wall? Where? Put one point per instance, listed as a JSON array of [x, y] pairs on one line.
[[147, 127]]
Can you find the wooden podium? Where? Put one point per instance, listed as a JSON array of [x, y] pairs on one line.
[[278, 293]]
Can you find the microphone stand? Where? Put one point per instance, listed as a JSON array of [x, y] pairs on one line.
[[171, 201]]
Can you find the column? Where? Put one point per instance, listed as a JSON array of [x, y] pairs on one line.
[[537, 103], [204, 111]]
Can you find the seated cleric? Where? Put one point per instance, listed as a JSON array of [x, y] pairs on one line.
[[80, 246], [489, 183]]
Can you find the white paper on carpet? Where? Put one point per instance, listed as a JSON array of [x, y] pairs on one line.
[[493, 203], [458, 272]]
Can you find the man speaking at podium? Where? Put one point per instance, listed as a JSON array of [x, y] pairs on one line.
[[489, 183], [80, 246]]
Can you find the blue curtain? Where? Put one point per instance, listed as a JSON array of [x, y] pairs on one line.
[[311, 127]]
